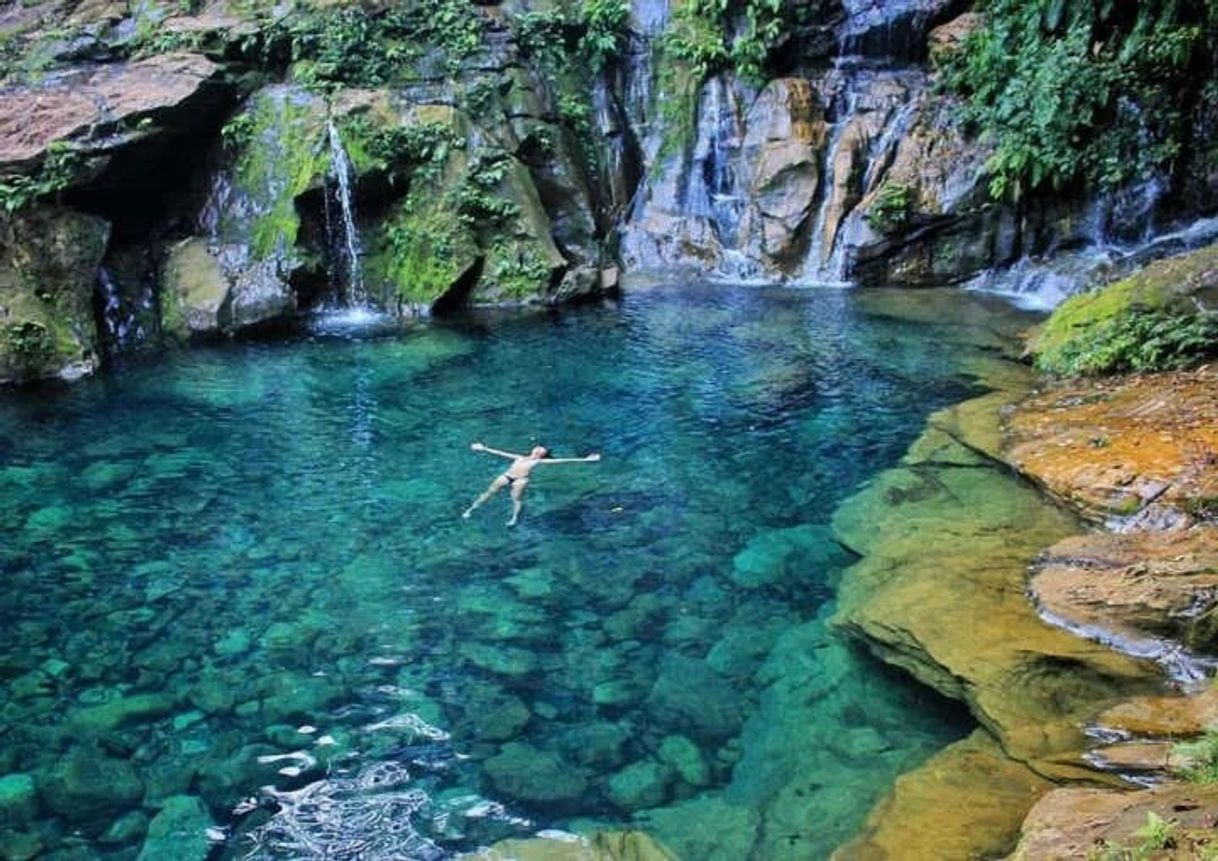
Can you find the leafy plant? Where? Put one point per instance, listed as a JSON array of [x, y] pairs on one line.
[[1202, 753], [59, 169], [1083, 92], [605, 28], [29, 343], [1158, 833], [476, 200], [1142, 340], [892, 208], [238, 131]]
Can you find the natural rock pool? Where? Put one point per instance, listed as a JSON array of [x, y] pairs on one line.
[[240, 606]]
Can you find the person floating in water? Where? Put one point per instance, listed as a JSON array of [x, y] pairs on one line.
[[517, 475]]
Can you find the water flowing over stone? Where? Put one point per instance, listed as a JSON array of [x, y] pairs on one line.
[[344, 235]]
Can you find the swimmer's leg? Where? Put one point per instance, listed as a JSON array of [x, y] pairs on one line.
[[517, 499], [495, 486]]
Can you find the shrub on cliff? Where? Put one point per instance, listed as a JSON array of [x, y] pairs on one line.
[[1164, 317], [1087, 92]]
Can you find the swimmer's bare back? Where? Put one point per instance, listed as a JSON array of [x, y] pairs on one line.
[[516, 476]]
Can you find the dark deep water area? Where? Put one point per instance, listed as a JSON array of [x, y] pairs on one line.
[[237, 588]]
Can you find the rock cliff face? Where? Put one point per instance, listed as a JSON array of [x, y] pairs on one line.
[[234, 165], [252, 162]]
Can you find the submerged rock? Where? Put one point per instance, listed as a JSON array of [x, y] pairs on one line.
[[528, 774], [18, 799], [966, 802], [179, 831], [797, 553], [87, 785], [979, 641], [639, 785], [690, 697], [600, 846]]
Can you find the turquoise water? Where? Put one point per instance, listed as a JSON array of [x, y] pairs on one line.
[[237, 579]]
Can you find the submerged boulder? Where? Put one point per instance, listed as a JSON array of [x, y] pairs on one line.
[[600, 846], [179, 831], [47, 275], [528, 774], [87, 785]]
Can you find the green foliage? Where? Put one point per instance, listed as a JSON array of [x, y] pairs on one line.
[[1202, 753], [605, 27], [238, 131], [1083, 92], [399, 150], [478, 204], [700, 34], [347, 46], [1149, 321], [517, 271], [1140, 340], [892, 208], [356, 47], [764, 24], [1158, 833], [696, 37], [454, 26], [699, 43], [58, 170], [30, 344], [543, 36]]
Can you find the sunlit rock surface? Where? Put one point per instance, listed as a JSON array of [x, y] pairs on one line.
[[966, 802], [1113, 446], [1079, 823]]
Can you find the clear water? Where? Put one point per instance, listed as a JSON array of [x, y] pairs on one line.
[[240, 575]]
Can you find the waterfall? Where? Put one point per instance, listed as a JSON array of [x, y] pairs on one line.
[[819, 266], [121, 324], [344, 237], [1045, 282]]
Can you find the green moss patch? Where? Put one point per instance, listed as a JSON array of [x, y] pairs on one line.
[[1164, 317], [284, 154]]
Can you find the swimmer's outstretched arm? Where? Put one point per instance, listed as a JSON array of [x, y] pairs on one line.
[[477, 446], [592, 458]]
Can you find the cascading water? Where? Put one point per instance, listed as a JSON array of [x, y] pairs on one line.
[[876, 110], [1045, 282], [121, 324], [344, 237]]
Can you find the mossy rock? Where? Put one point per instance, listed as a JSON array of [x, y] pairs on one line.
[[281, 152], [48, 270], [195, 291], [1164, 317], [424, 249]]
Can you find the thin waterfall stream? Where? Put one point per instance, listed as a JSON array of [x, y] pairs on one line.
[[347, 242]]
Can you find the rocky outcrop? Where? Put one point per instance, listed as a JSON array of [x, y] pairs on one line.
[[1165, 316], [1141, 446], [47, 279], [1079, 823], [1140, 588], [98, 111], [780, 155], [966, 802]]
